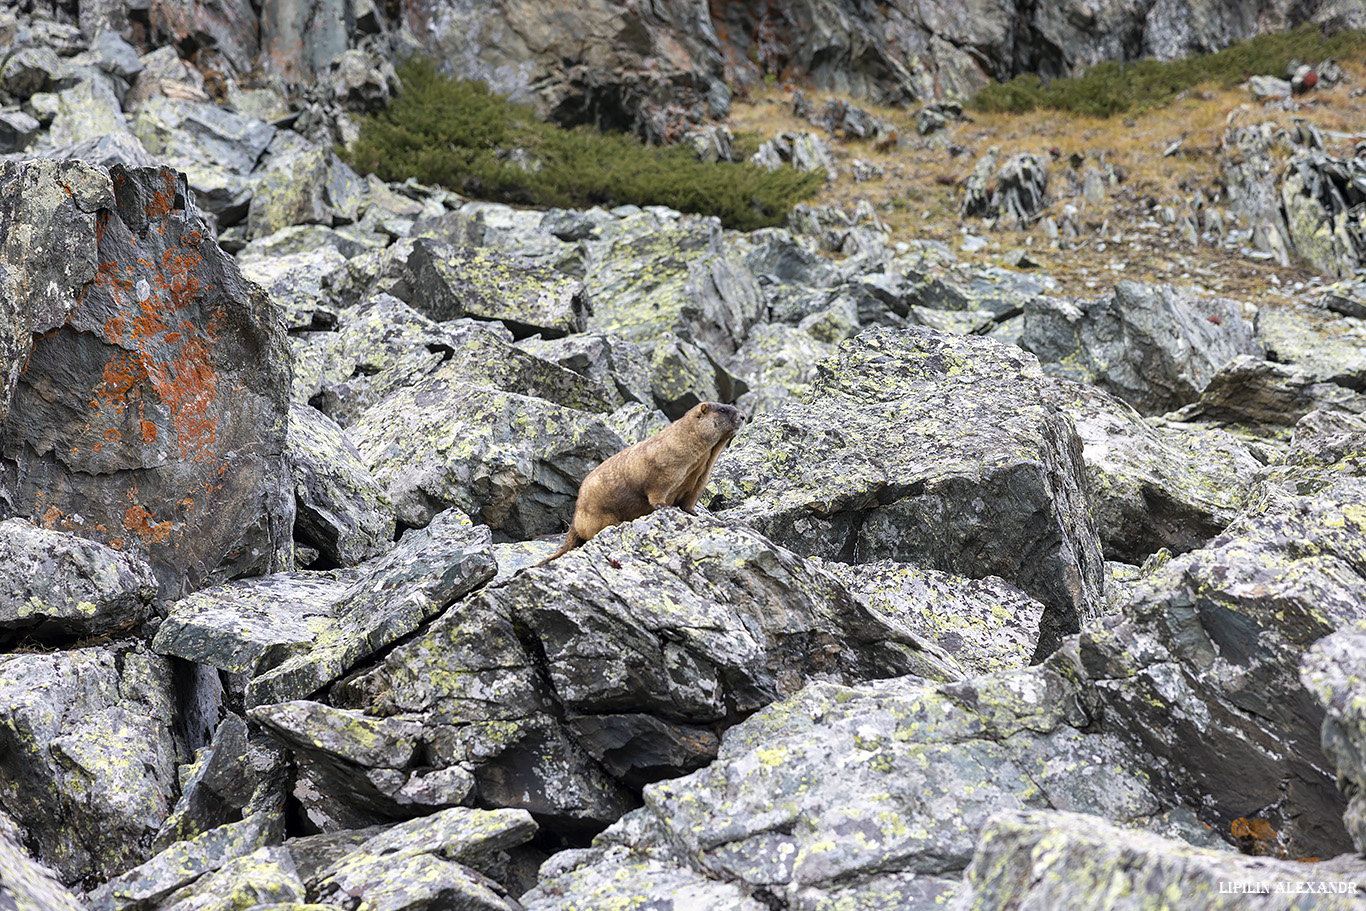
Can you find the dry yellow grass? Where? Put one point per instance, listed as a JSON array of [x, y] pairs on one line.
[[919, 194]]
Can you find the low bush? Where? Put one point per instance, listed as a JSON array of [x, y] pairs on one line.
[[1113, 87], [456, 133]]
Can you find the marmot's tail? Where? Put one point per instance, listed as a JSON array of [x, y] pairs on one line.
[[571, 541]]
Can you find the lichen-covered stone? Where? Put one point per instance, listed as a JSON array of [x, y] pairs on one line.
[[90, 753], [447, 282], [1155, 348], [929, 449], [295, 282], [264, 877], [1156, 484], [671, 625], [56, 584], [29, 886], [1254, 393], [423, 863], [985, 624], [874, 793], [151, 414], [778, 363], [1334, 670], [618, 366], [302, 184], [1324, 345], [616, 876], [512, 461], [88, 109], [651, 283], [1201, 669], [339, 506], [1073, 862]]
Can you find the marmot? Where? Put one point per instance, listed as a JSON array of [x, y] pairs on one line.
[[668, 469]]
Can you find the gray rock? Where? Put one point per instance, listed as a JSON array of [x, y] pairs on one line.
[[513, 461], [91, 755], [804, 151], [153, 416], [1070, 862], [935, 450], [644, 641], [264, 877], [301, 184], [986, 625], [339, 506], [30, 886], [778, 363], [295, 282], [1333, 671], [620, 875], [618, 366], [88, 110], [181, 864], [17, 131], [106, 151], [1320, 196], [359, 81], [447, 282], [1155, 485], [422, 863], [1254, 393], [1021, 186], [236, 777], [1325, 346], [31, 70], [295, 634], [1202, 667], [1155, 348], [116, 56], [977, 199], [56, 584], [676, 280], [165, 75], [300, 37], [1263, 87], [875, 793], [224, 32]]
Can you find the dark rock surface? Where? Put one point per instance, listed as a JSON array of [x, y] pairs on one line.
[[160, 371]]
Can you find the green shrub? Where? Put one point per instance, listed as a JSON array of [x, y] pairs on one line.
[[456, 133], [1119, 88]]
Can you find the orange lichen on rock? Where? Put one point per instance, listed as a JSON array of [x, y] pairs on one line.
[[139, 521]]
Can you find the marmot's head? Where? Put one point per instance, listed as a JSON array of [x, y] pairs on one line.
[[718, 422]]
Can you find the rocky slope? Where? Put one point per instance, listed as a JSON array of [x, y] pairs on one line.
[[1000, 598]]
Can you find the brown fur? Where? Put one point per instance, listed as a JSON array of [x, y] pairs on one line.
[[668, 469]]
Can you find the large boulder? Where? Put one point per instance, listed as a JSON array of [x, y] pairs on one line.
[[936, 450], [1155, 348], [1334, 671], [564, 687], [90, 745], [54, 584], [30, 886], [866, 796], [146, 381], [1201, 669]]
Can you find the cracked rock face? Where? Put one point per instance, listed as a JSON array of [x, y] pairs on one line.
[[136, 353], [936, 450]]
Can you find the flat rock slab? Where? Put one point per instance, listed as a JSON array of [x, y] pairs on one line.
[[1325, 345], [91, 755], [448, 282], [513, 461], [1071, 862], [294, 633], [1153, 347], [56, 584], [1255, 393], [935, 450], [151, 411], [985, 624]]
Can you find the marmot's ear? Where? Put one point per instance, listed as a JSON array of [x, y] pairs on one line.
[[706, 406]]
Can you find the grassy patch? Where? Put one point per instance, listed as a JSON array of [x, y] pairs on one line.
[[456, 133], [1114, 88]]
